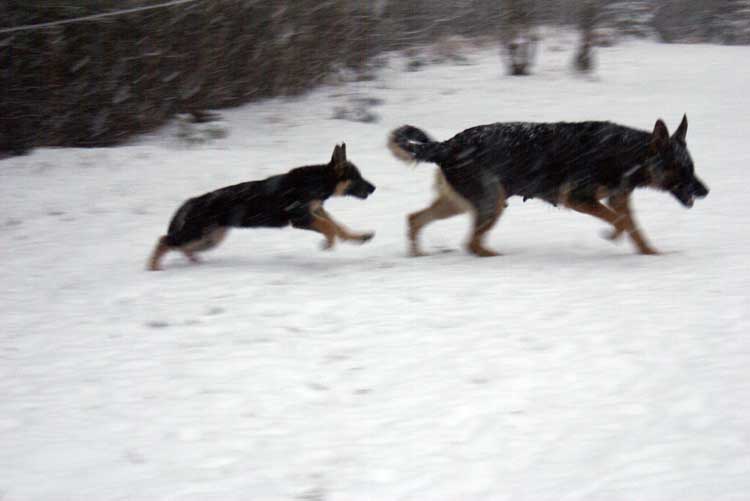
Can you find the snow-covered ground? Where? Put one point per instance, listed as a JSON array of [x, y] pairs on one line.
[[569, 368]]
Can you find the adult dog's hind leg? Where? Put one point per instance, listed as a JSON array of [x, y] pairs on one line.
[[621, 205], [488, 210], [443, 207], [342, 231]]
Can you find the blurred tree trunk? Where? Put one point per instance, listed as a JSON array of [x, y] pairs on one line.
[[518, 37], [584, 58]]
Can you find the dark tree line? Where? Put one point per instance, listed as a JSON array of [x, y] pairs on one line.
[[715, 21], [97, 82]]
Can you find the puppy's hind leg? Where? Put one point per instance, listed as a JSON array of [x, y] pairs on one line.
[[191, 256], [209, 240], [162, 247]]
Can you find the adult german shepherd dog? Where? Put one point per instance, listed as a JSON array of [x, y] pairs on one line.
[[294, 198], [574, 164]]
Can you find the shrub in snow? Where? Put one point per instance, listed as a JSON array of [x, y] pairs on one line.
[[355, 114], [199, 129], [357, 109]]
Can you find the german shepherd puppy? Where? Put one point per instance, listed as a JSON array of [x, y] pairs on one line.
[[295, 198], [573, 164]]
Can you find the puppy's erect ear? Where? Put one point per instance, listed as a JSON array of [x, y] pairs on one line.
[[336, 155], [338, 160], [681, 131], [660, 136]]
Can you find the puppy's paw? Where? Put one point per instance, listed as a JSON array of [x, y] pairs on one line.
[[649, 251], [366, 237], [611, 235]]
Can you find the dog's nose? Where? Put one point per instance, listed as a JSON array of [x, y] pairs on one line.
[[371, 189], [701, 190]]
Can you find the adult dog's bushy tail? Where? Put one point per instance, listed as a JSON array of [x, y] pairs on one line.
[[411, 144]]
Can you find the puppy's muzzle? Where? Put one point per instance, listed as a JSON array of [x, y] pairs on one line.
[[361, 189]]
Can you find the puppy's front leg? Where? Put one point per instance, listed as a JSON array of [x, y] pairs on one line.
[[328, 229], [342, 231], [320, 225]]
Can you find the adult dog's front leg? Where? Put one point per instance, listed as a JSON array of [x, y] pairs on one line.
[[622, 221], [621, 206]]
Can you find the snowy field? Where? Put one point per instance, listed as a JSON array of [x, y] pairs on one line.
[[568, 368]]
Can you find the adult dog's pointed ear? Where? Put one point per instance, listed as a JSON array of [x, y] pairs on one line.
[[660, 136], [681, 132]]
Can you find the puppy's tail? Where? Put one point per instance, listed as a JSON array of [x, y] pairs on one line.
[[410, 144]]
